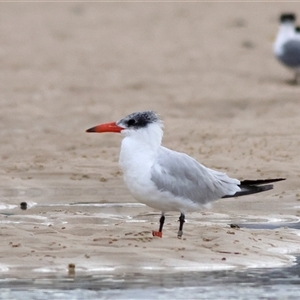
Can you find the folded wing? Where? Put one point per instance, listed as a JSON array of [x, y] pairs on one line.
[[184, 177]]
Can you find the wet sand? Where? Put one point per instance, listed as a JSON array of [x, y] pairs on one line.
[[207, 68]]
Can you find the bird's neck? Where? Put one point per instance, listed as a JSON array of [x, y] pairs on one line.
[[139, 150], [286, 32]]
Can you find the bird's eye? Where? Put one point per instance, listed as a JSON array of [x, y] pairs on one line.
[[131, 122]]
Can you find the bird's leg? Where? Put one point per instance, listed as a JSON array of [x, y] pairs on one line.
[[161, 224], [181, 222], [294, 82], [297, 78]]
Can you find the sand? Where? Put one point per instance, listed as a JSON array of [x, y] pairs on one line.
[[207, 69]]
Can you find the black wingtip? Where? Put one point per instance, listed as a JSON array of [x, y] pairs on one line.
[[261, 181], [249, 187], [250, 190]]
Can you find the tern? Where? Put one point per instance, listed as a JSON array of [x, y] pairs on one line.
[[287, 44], [167, 180]]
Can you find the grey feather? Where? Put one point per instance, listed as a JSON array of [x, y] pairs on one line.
[[291, 54], [183, 176]]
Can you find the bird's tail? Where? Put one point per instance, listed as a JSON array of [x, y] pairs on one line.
[[249, 187]]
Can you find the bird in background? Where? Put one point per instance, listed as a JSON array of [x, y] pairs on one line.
[[167, 180], [287, 44]]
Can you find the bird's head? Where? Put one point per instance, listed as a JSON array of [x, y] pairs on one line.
[[287, 18], [131, 124]]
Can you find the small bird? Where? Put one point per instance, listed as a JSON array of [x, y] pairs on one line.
[[287, 44], [167, 180]]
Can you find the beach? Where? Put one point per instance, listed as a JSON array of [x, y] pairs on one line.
[[208, 69]]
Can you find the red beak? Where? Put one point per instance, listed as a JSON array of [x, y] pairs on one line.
[[106, 127]]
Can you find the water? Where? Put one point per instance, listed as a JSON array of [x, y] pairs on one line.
[[281, 283]]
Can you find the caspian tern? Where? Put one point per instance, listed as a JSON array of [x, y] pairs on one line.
[[287, 44], [167, 180]]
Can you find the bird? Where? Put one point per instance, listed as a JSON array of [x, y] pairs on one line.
[[167, 180], [287, 44]]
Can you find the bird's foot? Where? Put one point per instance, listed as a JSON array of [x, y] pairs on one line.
[[179, 234], [157, 233]]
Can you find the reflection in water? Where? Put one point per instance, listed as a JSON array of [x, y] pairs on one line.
[[249, 284]]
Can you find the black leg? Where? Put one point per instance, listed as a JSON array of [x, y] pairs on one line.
[[181, 222], [161, 222]]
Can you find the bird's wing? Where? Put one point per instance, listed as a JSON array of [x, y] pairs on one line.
[[291, 53], [183, 176]]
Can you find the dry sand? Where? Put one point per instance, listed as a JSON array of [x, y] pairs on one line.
[[207, 68]]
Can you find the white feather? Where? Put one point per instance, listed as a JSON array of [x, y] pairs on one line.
[[167, 180]]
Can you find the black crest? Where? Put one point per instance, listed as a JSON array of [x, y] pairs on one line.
[[290, 17], [139, 119]]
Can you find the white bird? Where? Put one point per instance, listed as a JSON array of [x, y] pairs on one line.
[[167, 180], [287, 44]]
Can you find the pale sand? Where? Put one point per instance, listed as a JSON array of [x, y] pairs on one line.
[[208, 69]]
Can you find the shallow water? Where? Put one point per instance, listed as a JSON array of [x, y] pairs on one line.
[[281, 283], [250, 284]]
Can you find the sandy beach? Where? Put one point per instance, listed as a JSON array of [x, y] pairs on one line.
[[208, 69]]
